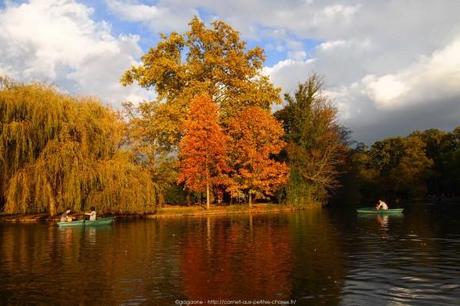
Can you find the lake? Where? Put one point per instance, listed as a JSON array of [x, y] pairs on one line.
[[328, 256]]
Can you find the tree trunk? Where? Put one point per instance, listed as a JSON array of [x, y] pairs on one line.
[[208, 233], [188, 199], [207, 181], [52, 202], [52, 208], [207, 195], [250, 199]]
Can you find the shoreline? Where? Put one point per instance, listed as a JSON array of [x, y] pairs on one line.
[[168, 211], [197, 211]]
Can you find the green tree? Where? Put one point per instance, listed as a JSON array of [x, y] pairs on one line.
[[316, 143], [399, 167], [450, 162], [423, 163], [435, 148]]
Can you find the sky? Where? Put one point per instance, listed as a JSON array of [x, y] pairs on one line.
[[389, 66]]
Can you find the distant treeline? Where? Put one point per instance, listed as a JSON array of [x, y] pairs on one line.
[[423, 164]]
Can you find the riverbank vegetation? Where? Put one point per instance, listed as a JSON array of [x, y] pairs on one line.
[[209, 136]]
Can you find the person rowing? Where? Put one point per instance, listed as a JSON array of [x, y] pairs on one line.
[[92, 214], [66, 217], [381, 205]]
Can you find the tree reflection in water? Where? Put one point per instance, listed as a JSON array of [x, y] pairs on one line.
[[315, 257], [278, 257], [247, 258], [319, 271]]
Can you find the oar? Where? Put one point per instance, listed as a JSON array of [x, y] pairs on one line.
[[84, 215]]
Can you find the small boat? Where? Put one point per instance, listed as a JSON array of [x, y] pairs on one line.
[[371, 210], [99, 221]]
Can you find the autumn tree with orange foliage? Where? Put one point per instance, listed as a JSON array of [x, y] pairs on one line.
[[202, 155], [255, 137], [212, 60], [207, 59]]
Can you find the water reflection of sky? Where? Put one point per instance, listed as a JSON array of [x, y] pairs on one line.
[[401, 265]]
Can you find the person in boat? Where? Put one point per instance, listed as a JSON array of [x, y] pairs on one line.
[[66, 217], [92, 214], [381, 205]]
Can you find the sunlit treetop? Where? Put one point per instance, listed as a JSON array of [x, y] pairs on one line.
[[206, 60]]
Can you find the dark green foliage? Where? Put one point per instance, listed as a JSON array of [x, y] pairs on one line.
[[421, 164], [316, 144]]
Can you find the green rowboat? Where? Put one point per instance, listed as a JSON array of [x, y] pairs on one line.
[[99, 221], [369, 210]]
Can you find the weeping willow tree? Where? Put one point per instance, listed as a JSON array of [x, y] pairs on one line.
[[59, 152]]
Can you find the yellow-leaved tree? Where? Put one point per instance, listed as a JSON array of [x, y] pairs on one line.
[[59, 152], [211, 61], [205, 60]]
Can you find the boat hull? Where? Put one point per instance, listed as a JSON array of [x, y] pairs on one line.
[[394, 211], [100, 221]]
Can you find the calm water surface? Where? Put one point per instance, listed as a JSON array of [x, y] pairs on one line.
[[316, 257]]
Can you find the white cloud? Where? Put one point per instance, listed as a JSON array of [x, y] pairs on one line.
[[58, 42], [386, 77], [135, 11], [284, 72], [383, 61], [335, 11], [385, 90], [429, 79], [331, 45], [157, 18]]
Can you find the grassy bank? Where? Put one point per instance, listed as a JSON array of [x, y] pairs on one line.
[[167, 211], [24, 218], [180, 211]]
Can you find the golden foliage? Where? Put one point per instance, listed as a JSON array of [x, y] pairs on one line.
[[204, 60], [255, 137], [57, 151], [144, 138], [203, 152]]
